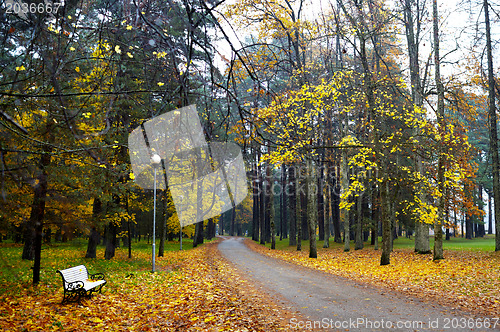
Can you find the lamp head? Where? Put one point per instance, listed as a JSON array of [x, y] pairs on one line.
[[155, 160]]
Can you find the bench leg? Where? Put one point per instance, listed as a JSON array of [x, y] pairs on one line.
[[77, 294], [97, 289], [73, 296]]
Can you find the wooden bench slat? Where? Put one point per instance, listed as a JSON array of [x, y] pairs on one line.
[[88, 285], [75, 273]]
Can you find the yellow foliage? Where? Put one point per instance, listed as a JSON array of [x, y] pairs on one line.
[[118, 217]]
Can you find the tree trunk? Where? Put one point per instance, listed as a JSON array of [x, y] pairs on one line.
[[336, 208], [256, 205], [480, 226], [34, 230], [344, 213], [359, 224], [269, 185], [94, 240], [312, 211], [468, 226], [198, 233], [447, 224], [129, 236], [292, 202], [221, 224], [29, 242], [262, 222], [129, 231], [163, 229], [493, 126], [270, 206], [374, 213], [392, 214], [438, 226], [284, 215], [210, 230], [272, 214], [327, 204], [412, 36], [110, 241], [462, 224], [303, 217], [490, 219], [233, 219], [298, 206], [385, 258], [201, 238], [283, 203], [280, 204], [321, 206], [36, 219], [422, 245], [344, 186]]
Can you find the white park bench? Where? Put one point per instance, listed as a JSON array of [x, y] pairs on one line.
[[78, 283]]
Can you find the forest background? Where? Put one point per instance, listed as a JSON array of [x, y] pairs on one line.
[[356, 123]]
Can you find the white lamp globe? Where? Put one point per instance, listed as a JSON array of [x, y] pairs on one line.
[[155, 160]]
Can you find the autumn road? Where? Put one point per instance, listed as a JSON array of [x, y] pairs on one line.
[[337, 304]]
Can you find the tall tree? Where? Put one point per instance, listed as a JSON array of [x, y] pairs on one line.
[[413, 10], [438, 226], [493, 125]]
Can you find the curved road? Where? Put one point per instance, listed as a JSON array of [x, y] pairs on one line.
[[331, 303]]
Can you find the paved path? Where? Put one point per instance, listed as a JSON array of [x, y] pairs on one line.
[[338, 304]]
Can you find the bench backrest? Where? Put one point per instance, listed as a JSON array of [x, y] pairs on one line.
[[77, 273]]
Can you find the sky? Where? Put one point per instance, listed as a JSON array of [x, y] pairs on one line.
[[457, 29]]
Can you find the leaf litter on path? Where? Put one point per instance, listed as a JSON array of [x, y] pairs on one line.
[[466, 280]]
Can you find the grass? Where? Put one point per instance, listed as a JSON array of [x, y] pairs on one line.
[[455, 243], [192, 290], [16, 274]]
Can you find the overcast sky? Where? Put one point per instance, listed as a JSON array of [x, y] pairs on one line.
[[457, 30]]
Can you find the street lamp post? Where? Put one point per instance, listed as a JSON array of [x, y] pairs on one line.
[[180, 222], [155, 161]]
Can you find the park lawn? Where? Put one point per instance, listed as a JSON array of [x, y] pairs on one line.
[[468, 277], [192, 290], [486, 243]]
